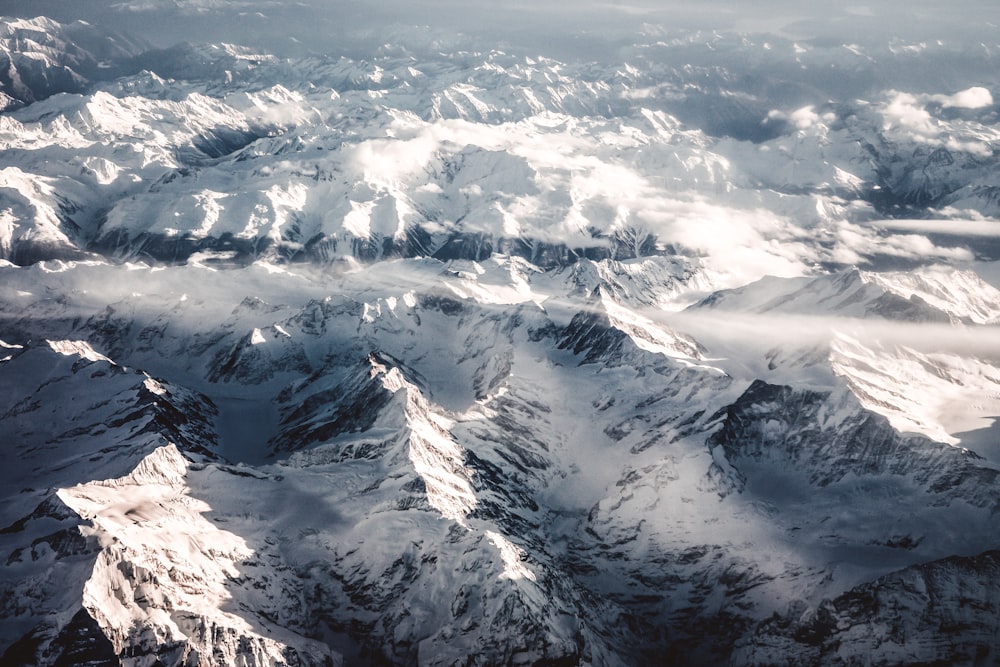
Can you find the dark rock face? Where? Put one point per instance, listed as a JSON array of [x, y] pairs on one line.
[[40, 58], [26, 253], [329, 405], [591, 334], [323, 249], [946, 612], [914, 309], [80, 643], [478, 247], [119, 244], [781, 427]]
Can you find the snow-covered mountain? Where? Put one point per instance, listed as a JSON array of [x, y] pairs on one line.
[[449, 356]]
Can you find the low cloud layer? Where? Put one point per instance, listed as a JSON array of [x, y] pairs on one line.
[[950, 227]]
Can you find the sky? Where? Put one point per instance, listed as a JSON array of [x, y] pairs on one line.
[[577, 29]]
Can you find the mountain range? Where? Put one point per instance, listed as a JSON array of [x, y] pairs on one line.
[[446, 356]]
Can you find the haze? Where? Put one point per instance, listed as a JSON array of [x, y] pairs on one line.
[[569, 30]]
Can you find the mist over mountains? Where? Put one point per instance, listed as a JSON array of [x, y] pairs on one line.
[[383, 334]]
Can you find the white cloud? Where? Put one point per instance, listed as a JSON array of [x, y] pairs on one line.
[[855, 243], [806, 117], [976, 97], [919, 247], [950, 227], [907, 115], [740, 244], [906, 111]]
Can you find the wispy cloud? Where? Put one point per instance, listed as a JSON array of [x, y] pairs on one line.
[[950, 227], [860, 243]]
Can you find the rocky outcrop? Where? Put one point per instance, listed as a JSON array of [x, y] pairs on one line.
[[939, 613], [826, 437]]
